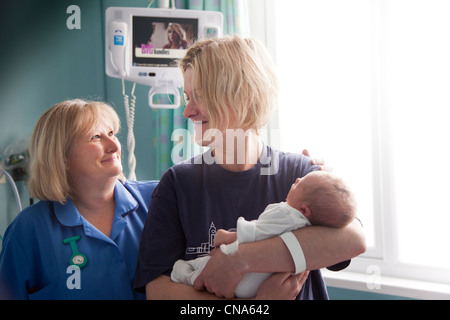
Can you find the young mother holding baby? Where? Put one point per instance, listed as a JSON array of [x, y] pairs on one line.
[[231, 89]]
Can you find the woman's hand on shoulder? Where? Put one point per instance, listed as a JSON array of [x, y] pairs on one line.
[[318, 161]]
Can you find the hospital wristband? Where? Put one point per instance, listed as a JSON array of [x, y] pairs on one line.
[[296, 251]]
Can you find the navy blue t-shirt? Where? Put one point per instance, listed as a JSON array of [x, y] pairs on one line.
[[197, 197]]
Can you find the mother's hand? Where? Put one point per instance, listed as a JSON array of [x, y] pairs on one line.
[[282, 286], [319, 161], [221, 274]]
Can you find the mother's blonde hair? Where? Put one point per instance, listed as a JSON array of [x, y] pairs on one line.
[[51, 140], [235, 75]]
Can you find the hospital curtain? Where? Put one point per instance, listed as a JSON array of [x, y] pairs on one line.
[[170, 124]]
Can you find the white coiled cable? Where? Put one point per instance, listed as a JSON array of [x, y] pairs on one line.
[[14, 187], [130, 107]]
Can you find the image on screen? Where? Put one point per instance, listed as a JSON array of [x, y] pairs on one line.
[[159, 42]]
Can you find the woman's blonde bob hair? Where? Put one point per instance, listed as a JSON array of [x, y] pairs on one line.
[[51, 141], [235, 75]]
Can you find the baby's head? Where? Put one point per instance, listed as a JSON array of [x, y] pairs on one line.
[[323, 198]]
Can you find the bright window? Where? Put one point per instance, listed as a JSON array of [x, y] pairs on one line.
[[419, 103], [324, 63], [365, 85]]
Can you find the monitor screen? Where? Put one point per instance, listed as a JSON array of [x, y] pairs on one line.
[[160, 41]]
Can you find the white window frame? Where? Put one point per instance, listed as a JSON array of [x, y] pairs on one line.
[[378, 270]]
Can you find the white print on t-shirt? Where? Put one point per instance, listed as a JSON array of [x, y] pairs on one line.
[[205, 247]]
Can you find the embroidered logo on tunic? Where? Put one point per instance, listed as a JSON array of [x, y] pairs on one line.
[[205, 247]]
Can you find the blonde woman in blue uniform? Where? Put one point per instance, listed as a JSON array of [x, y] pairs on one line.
[[81, 240]]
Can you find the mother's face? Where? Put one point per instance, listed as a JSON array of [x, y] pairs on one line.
[[196, 111]]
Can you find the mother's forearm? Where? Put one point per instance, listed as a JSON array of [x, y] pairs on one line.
[[322, 247], [269, 255]]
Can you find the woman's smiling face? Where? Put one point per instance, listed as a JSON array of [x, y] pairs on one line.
[[95, 154], [196, 111]]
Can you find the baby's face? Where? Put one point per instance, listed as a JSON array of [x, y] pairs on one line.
[[294, 196]]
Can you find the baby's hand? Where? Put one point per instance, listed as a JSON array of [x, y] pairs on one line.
[[224, 237]]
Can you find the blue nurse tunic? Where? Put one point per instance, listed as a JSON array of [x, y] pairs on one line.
[[36, 262]]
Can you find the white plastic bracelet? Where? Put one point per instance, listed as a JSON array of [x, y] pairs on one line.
[[296, 251]]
